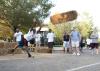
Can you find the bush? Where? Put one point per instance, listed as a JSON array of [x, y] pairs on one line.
[[58, 41]]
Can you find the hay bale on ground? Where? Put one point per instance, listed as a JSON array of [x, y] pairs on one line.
[[6, 47], [43, 50]]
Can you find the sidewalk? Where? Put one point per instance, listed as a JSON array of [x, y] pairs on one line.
[[13, 57], [24, 56], [36, 55]]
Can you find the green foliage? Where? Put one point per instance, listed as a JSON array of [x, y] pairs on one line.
[[59, 29], [27, 13], [58, 41], [84, 28], [5, 29]]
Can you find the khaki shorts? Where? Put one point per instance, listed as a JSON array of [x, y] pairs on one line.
[[75, 43]]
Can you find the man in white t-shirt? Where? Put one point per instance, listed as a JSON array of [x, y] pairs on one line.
[[38, 39], [21, 42], [30, 35], [50, 37], [18, 35]]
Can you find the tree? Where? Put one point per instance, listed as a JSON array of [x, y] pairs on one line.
[[26, 13], [5, 30], [59, 29], [85, 26]]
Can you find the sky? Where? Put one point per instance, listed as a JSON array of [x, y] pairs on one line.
[[90, 6]]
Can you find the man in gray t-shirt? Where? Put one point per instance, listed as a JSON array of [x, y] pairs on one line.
[[94, 41]]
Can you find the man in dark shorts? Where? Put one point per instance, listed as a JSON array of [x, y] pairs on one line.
[[50, 37], [31, 36], [82, 44], [94, 41]]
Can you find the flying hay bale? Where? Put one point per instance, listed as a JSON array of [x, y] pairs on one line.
[[63, 17]]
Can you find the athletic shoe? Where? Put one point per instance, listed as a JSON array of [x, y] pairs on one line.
[[74, 53], [29, 55], [78, 54]]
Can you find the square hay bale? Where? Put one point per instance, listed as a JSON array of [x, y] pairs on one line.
[[3, 51], [43, 50], [10, 44], [6, 47], [1, 44], [17, 51]]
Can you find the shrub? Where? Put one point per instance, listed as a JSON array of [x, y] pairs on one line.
[[58, 41]]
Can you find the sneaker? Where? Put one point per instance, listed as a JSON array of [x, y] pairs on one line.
[[12, 51], [78, 54], [29, 55], [74, 53], [89, 48]]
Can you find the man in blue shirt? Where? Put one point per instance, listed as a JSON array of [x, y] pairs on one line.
[[75, 40]]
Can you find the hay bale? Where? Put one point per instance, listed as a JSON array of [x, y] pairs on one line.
[[63, 17], [43, 50], [6, 47], [3, 51], [1, 44], [9, 44], [17, 51]]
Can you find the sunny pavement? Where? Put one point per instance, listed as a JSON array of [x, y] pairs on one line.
[[51, 62]]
